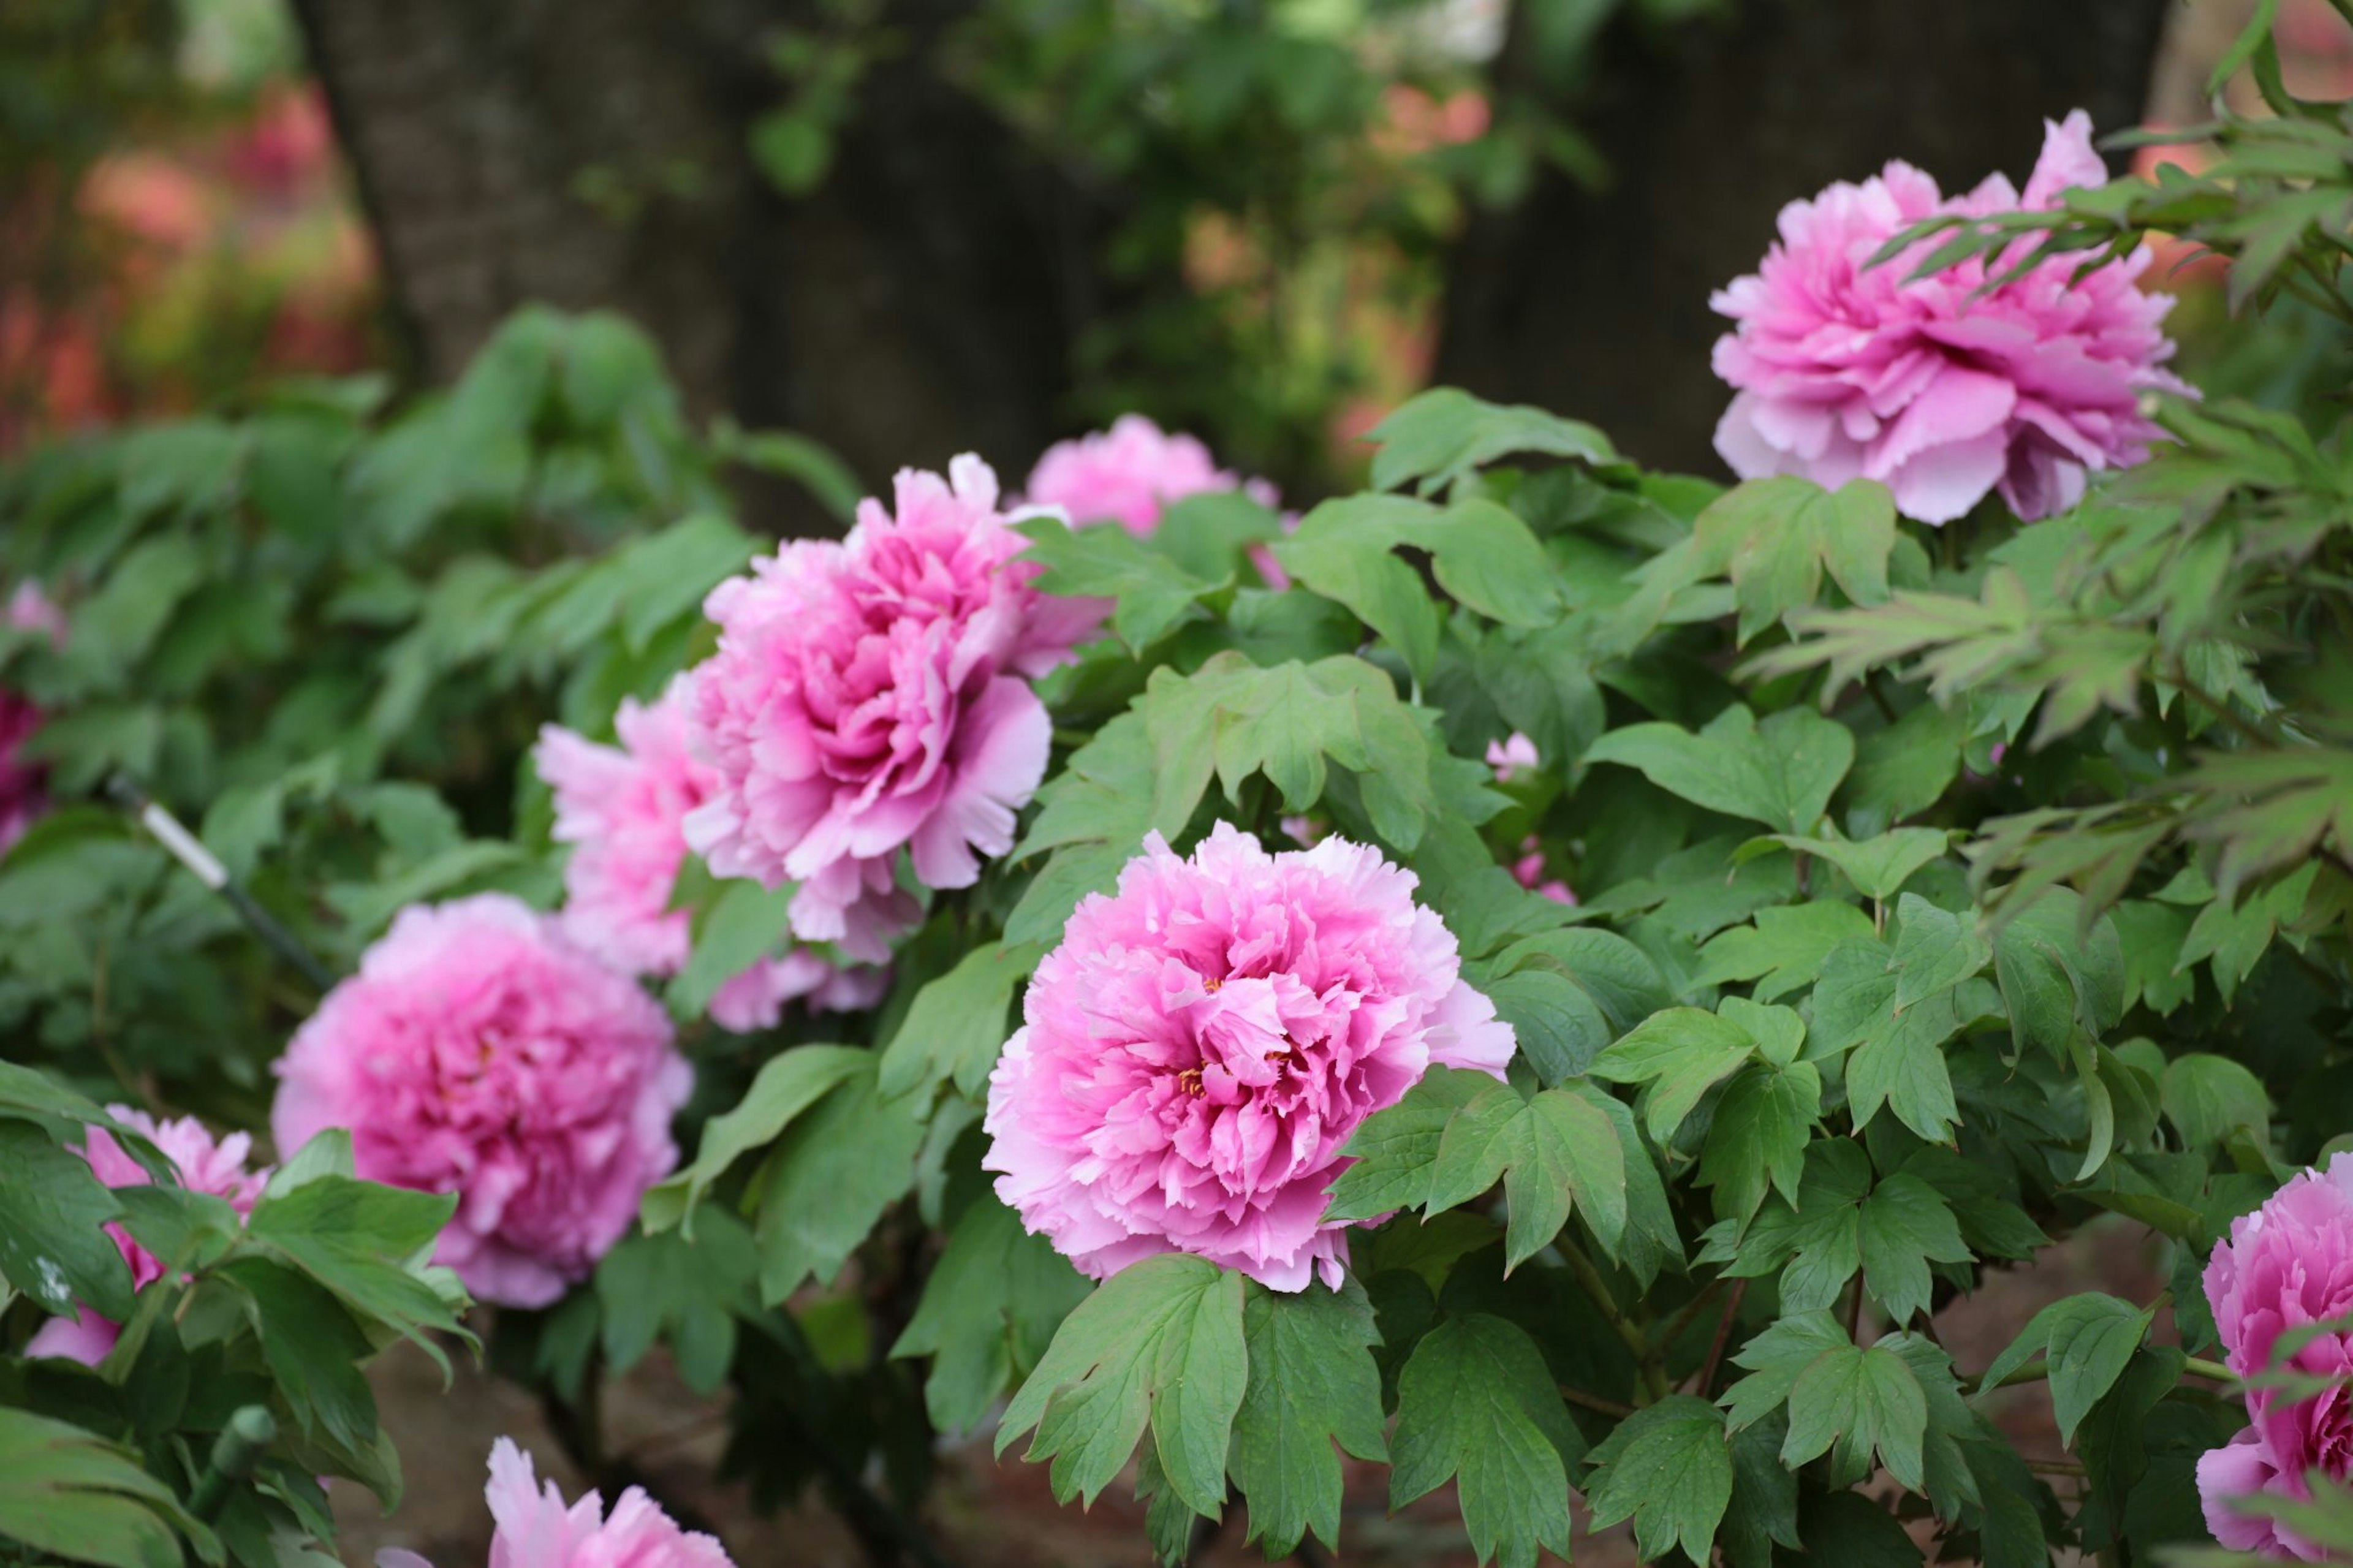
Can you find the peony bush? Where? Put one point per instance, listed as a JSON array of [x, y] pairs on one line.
[[1537, 985]]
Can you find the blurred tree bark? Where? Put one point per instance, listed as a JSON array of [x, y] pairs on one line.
[[923, 300], [1594, 303]]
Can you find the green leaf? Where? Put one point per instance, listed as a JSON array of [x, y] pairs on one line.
[[1552, 1153], [1678, 1054], [67, 1493], [1764, 1509], [1567, 993], [314, 1349], [1395, 1150], [989, 1309], [1847, 1530], [1906, 767], [1780, 772], [1863, 1400], [1776, 536], [1476, 1404], [1774, 1358], [2055, 978], [1442, 435], [2088, 1340], [1312, 1383], [1784, 951], [829, 1179], [2207, 1098], [1906, 1226], [1480, 554], [689, 1291], [745, 924], [52, 1211], [1757, 1141], [1877, 866], [787, 1086], [1935, 949], [1150, 594], [956, 1028], [1160, 1343], [1668, 1467], [367, 1244]]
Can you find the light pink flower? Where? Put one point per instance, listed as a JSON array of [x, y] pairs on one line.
[[1844, 370], [1509, 755], [23, 797], [535, 1530], [2287, 1265], [623, 810], [1129, 474], [478, 1051], [217, 1168], [1203, 1042], [869, 696]]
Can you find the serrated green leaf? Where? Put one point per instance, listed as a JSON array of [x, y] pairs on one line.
[[1442, 435], [1150, 594], [1757, 1141], [1866, 1399], [956, 1028], [1678, 1054], [1935, 949], [787, 1085], [1395, 1150], [1785, 950], [1774, 1358], [1668, 1467], [1313, 1384], [1552, 1153], [828, 1180], [1160, 1343], [988, 1312], [1775, 537], [1476, 1404], [1780, 772], [1906, 1225], [2054, 977]]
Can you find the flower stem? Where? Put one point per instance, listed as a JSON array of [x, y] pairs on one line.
[[1588, 1275]]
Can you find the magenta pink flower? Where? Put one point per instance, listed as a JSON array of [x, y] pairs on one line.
[[623, 810], [1129, 474], [478, 1051], [2287, 1265], [1844, 370], [869, 696], [23, 797], [1203, 1042], [217, 1168], [535, 1530], [1528, 870]]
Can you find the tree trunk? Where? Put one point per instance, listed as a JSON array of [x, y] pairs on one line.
[[923, 300], [1595, 303]]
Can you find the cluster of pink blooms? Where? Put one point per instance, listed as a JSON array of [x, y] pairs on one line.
[[1204, 1041], [1844, 370], [2288, 1266], [871, 695], [214, 1168], [1508, 757], [535, 1530], [1129, 474], [21, 796], [481, 1051], [623, 810]]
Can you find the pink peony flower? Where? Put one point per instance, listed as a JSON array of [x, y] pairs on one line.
[[1843, 370], [23, 798], [217, 1168], [2287, 1265], [478, 1051], [1509, 755], [1198, 1049], [623, 809], [1528, 870], [1129, 474], [536, 1530], [868, 696]]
